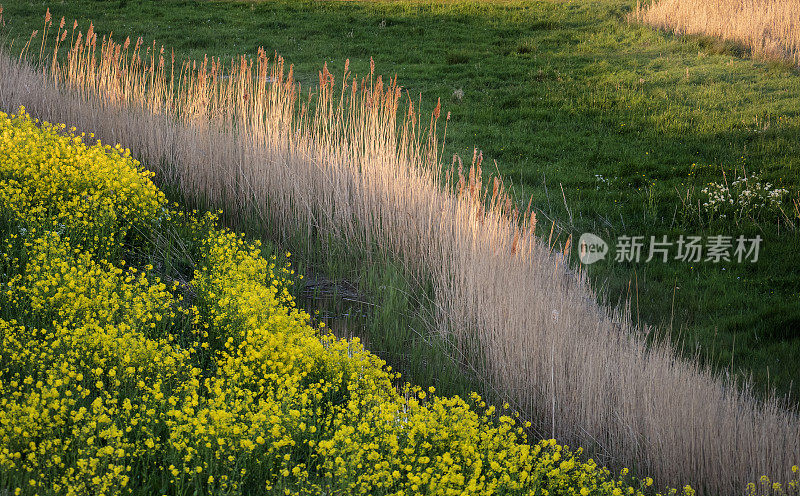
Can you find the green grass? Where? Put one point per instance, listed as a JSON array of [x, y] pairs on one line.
[[557, 93]]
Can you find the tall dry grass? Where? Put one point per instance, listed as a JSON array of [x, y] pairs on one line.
[[350, 162], [769, 28]]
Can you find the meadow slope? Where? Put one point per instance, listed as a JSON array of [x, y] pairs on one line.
[[344, 168]]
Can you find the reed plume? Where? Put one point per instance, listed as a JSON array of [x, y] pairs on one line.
[[768, 28]]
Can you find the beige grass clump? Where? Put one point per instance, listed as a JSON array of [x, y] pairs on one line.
[[351, 162], [769, 28]]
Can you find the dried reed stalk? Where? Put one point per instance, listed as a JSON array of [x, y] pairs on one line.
[[769, 28]]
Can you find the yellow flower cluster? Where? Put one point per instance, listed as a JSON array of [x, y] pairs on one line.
[[112, 382], [766, 487], [51, 180]]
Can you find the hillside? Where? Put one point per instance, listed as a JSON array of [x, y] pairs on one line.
[[443, 271], [632, 123]]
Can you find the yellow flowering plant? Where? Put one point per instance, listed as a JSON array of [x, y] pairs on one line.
[[113, 381], [52, 180]]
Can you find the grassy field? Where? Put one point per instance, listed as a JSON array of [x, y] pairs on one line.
[[625, 119]]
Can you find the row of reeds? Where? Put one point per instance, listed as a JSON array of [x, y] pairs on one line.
[[350, 162], [768, 28]]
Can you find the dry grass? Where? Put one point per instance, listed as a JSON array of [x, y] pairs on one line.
[[341, 164], [769, 28]]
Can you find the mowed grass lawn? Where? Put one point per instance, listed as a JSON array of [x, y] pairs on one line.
[[561, 94]]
